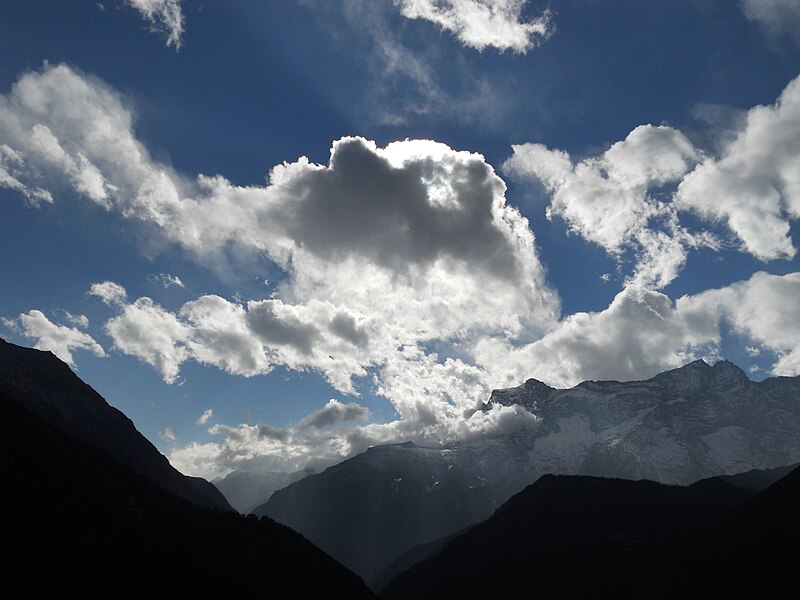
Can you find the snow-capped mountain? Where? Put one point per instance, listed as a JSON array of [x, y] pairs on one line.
[[678, 427]]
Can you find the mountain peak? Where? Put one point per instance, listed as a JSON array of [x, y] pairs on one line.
[[408, 444], [699, 375]]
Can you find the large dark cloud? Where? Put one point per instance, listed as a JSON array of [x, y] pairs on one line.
[[390, 214]]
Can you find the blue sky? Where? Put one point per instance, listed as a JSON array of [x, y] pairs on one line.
[[605, 192]]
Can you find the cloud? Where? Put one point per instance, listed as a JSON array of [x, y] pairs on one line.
[[109, 292], [438, 399], [414, 234], [165, 280], [639, 335], [633, 199], [754, 185], [207, 414], [164, 16], [333, 413], [644, 332], [59, 339], [415, 206], [302, 446], [612, 200], [777, 18], [168, 435], [271, 323], [765, 309], [12, 163], [482, 24], [152, 334], [405, 71], [70, 133], [81, 321]]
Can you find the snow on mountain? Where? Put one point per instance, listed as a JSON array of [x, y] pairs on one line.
[[680, 426]]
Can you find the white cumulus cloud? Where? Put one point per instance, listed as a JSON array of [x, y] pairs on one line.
[[754, 186], [633, 198], [765, 309], [109, 292], [61, 340], [611, 199]]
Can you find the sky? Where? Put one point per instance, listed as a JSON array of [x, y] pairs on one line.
[[277, 233]]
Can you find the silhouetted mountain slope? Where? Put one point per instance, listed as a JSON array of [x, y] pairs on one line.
[[753, 552], [408, 559], [573, 536], [759, 479], [77, 523], [49, 388], [369, 509]]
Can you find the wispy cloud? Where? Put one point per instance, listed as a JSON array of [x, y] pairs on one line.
[[778, 18], [204, 418], [406, 74], [165, 280], [164, 16], [482, 24]]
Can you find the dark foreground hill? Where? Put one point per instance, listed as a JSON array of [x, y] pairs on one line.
[[578, 537], [78, 523], [48, 388]]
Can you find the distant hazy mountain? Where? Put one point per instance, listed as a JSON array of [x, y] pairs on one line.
[[678, 427], [580, 537], [48, 387], [369, 509], [246, 490], [78, 523]]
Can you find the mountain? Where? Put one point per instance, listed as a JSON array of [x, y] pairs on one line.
[[577, 536], [369, 509], [78, 523], [681, 426], [48, 388], [748, 484], [246, 490], [753, 552]]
